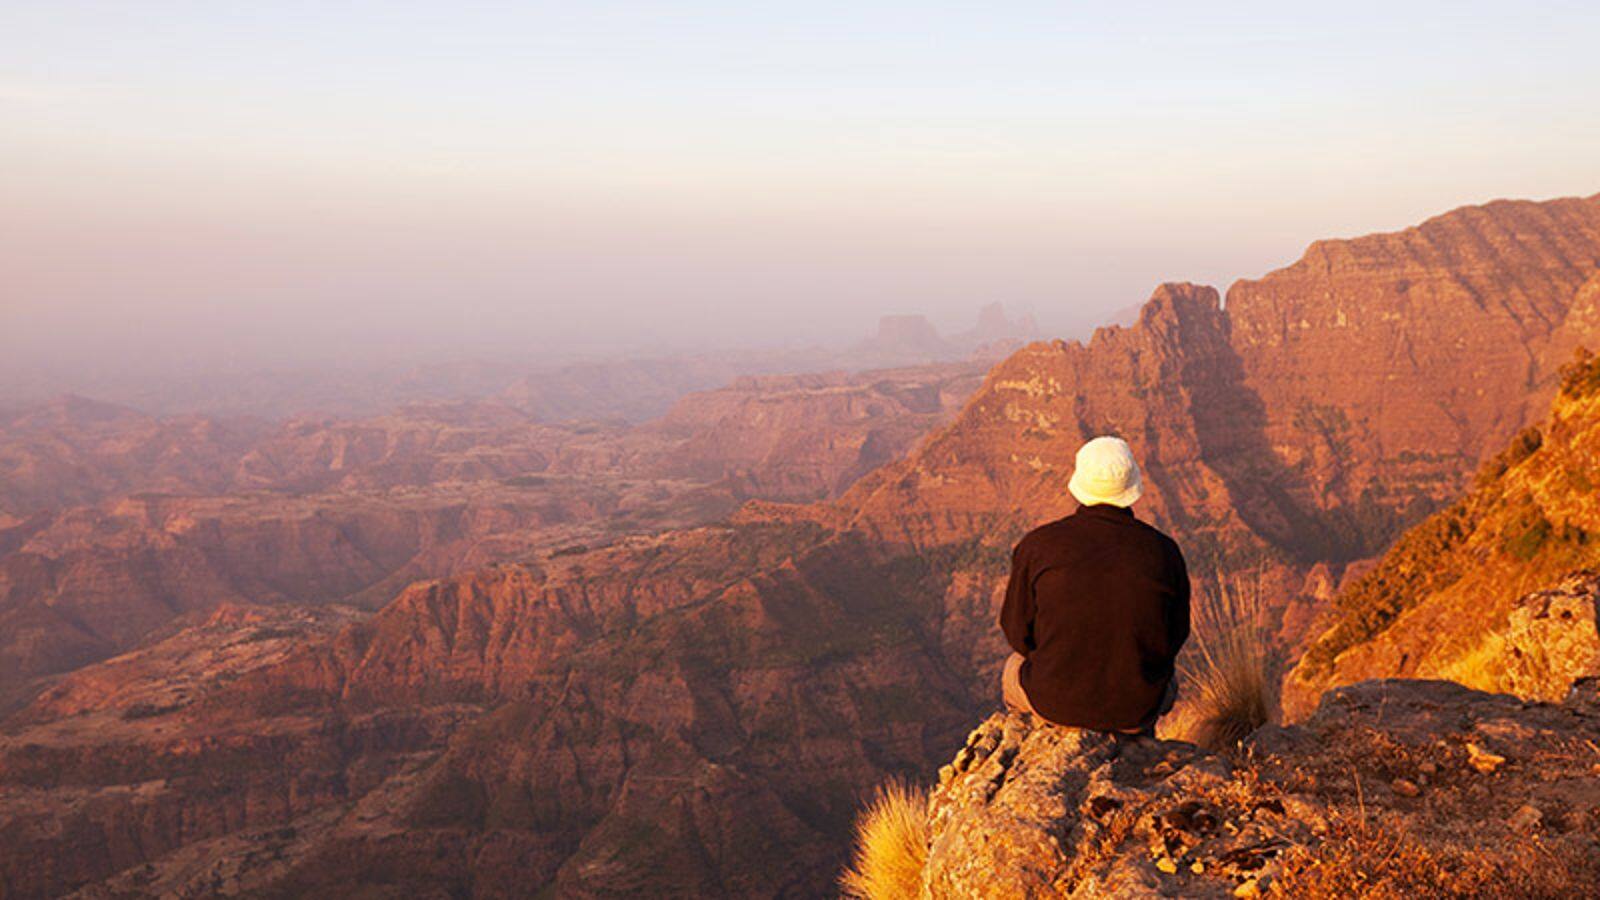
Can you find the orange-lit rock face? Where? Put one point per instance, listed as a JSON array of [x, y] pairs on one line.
[[1421, 349], [1384, 366], [1006, 460]]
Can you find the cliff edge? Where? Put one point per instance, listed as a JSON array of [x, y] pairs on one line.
[[1390, 788]]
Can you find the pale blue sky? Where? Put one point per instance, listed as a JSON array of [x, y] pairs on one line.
[[307, 180]]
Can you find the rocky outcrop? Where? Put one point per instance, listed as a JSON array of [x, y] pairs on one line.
[[1552, 638], [1368, 795]]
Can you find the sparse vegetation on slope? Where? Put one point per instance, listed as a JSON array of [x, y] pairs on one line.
[[1532, 517]]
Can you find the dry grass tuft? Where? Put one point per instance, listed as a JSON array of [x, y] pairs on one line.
[[891, 845], [1229, 678]]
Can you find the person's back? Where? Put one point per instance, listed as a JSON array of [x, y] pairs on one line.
[[1097, 606]]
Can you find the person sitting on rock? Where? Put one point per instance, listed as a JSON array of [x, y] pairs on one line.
[[1097, 606]]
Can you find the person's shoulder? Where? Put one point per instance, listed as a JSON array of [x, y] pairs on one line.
[[1161, 537], [1046, 534]]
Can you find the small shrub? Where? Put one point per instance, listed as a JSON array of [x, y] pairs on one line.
[[1526, 534], [891, 845], [1525, 444], [1229, 679], [148, 710], [1581, 377]]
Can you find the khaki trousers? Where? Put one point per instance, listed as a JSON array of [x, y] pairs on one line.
[[1011, 685]]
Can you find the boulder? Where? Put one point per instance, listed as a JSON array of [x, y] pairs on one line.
[[1552, 638]]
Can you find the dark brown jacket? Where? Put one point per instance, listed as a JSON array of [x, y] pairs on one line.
[[1099, 604]]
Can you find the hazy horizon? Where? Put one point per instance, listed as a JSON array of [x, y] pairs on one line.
[[300, 186]]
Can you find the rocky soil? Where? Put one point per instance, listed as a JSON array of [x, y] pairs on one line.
[[1390, 789]]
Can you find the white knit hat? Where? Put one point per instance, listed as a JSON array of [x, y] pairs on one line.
[[1106, 473]]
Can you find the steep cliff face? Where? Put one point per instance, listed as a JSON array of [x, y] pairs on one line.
[[1390, 789], [1427, 340], [1004, 463], [1323, 405], [1437, 604]]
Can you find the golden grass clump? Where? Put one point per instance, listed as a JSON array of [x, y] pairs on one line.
[[891, 845], [1228, 677]]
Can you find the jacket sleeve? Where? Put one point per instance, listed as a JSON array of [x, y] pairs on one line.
[[1016, 616], [1178, 608]]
